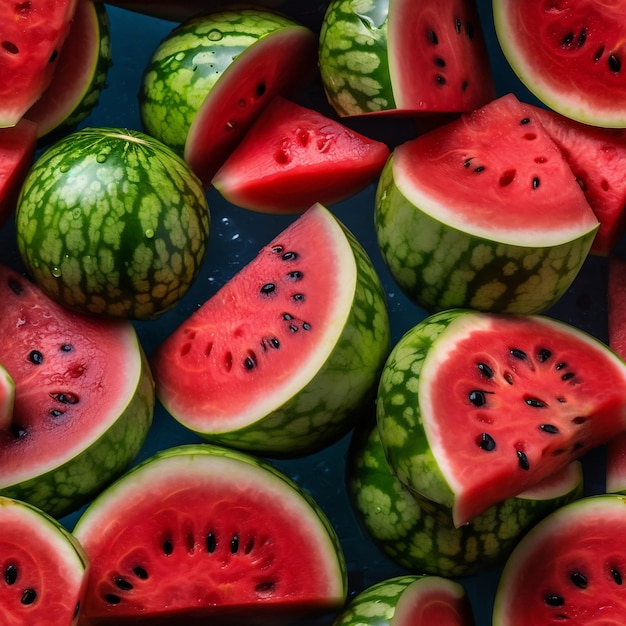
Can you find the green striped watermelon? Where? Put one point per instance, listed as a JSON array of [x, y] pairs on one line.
[[201, 534], [404, 57], [211, 76], [476, 407], [44, 568], [420, 535], [111, 221], [81, 73], [483, 212], [84, 399], [303, 329], [410, 600]]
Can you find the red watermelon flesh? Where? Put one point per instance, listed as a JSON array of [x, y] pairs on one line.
[[17, 149], [33, 34], [261, 72], [597, 157], [293, 156], [438, 58]]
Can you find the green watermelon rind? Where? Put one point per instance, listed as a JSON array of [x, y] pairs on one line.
[[113, 500], [7, 396], [326, 406], [191, 60], [440, 267], [420, 535], [111, 221], [597, 506], [353, 60]]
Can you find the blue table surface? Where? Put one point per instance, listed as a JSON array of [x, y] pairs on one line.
[[235, 238]]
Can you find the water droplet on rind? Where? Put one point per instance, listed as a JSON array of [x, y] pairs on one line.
[[56, 271]]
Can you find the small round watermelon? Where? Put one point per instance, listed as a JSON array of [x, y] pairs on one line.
[[200, 534], [110, 221], [44, 567]]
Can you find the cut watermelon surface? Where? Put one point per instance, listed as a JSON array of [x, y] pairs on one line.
[[33, 34], [199, 533], [293, 157]]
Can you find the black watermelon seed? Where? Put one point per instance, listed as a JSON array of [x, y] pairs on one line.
[[293, 328], [306, 326], [617, 577], [525, 120], [76, 610], [298, 297], [522, 460], [439, 62], [123, 584], [287, 316], [265, 587], [615, 64], [17, 431], [234, 544], [260, 89], [582, 38], [479, 169], [551, 429], [457, 24], [543, 355], [486, 442], [579, 579], [432, 36], [440, 80], [65, 397], [111, 598], [295, 275], [66, 347], [140, 572], [536, 182], [485, 370], [268, 288], [477, 397], [29, 596], [567, 39], [469, 29], [55, 413], [168, 547], [517, 353], [250, 362], [274, 343], [579, 420], [289, 256], [277, 249], [10, 574], [561, 365], [535, 403], [568, 376], [10, 47], [598, 55], [35, 357], [15, 286], [464, 85], [211, 543], [554, 600]]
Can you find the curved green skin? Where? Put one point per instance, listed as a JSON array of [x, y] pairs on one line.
[[189, 62], [325, 409], [94, 228], [420, 535], [68, 486], [440, 267], [353, 57], [108, 504]]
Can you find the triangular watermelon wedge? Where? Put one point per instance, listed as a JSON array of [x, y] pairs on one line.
[[33, 34], [279, 164]]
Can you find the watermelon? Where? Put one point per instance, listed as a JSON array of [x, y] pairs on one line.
[[33, 34], [419, 534], [369, 52], [84, 399], [303, 328], [568, 569], [17, 151], [110, 221], [569, 54], [44, 568], [212, 75], [293, 156], [81, 73], [476, 407], [597, 157], [483, 212], [200, 534], [409, 600], [7, 397]]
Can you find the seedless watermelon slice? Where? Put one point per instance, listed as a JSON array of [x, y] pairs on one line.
[[44, 567], [284, 355], [199, 533], [83, 399], [33, 34], [477, 407]]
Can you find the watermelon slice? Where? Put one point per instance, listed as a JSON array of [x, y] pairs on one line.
[[293, 157], [477, 407], [406, 58], [33, 34], [483, 212], [569, 569], [410, 600], [17, 150], [199, 534], [569, 53], [303, 328], [44, 568], [597, 157], [83, 399], [81, 73]]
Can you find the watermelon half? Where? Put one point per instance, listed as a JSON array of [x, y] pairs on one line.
[[569, 53], [200, 534], [84, 398], [483, 212], [569, 569], [281, 359], [410, 600], [44, 568], [293, 156], [33, 34], [402, 57], [477, 407], [420, 535]]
